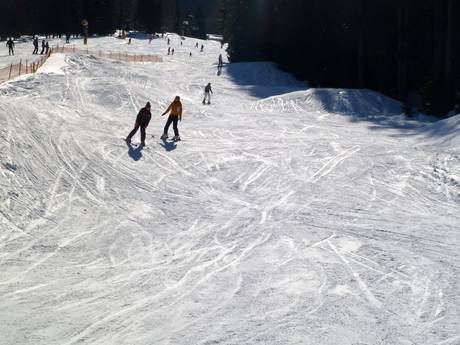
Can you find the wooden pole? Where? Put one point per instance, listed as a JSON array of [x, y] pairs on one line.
[[11, 69]]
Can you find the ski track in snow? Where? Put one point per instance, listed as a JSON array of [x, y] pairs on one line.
[[283, 217]]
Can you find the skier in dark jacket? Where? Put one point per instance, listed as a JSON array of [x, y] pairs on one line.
[[207, 94], [142, 121], [221, 61], [35, 46], [10, 45], [43, 47], [47, 47]]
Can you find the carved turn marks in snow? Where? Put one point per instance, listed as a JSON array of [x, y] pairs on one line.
[[333, 163]]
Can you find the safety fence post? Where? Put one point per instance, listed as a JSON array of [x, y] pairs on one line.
[[11, 69], [20, 65]]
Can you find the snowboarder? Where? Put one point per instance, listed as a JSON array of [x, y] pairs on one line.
[[10, 45], [35, 52], [43, 47], [207, 94], [142, 121], [176, 115]]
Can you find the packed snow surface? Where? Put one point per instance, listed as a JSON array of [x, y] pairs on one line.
[[287, 215]]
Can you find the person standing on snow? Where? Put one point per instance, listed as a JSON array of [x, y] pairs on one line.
[[142, 121], [176, 115], [47, 47], [10, 45], [207, 94], [221, 61], [35, 52], [43, 47]]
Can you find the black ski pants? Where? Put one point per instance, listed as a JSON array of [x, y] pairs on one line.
[[134, 131], [172, 119]]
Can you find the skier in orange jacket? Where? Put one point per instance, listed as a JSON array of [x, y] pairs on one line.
[[176, 115]]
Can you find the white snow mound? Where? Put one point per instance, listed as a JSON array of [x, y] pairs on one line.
[[55, 64], [339, 101]]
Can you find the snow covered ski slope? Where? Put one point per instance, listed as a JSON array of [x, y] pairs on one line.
[[287, 215]]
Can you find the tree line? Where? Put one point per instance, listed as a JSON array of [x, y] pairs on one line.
[[30, 17], [408, 49]]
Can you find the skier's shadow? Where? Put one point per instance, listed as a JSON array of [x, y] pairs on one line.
[[135, 152], [169, 145]]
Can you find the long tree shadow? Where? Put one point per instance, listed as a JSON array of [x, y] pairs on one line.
[[168, 145], [135, 152], [263, 79]]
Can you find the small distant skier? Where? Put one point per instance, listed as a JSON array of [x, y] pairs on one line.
[[10, 45], [207, 94], [142, 122], [129, 41], [181, 43], [202, 48], [169, 50], [197, 45], [169, 41], [47, 47], [221, 61], [190, 54], [43, 47], [172, 51], [35, 52], [176, 115]]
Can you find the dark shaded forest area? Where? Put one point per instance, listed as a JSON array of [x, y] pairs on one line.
[[29, 17], [407, 49]]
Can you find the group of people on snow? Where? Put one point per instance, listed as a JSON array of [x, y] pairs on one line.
[[144, 116], [45, 47], [175, 116]]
